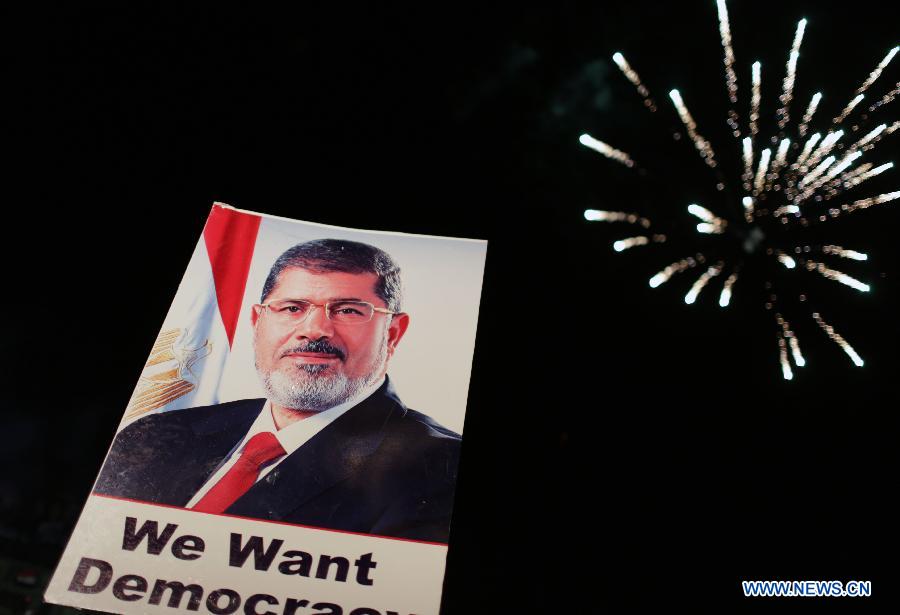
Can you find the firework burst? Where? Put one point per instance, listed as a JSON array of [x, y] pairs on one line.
[[784, 189]]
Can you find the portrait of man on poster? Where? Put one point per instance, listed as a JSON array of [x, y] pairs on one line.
[[331, 445]]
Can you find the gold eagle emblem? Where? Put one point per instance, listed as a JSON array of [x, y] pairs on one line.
[[167, 374]]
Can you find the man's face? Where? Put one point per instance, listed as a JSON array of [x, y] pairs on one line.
[[317, 364]]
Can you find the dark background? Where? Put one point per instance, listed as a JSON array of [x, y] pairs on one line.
[[622, 449]]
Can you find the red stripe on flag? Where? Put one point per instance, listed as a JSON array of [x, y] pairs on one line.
[[230, 238]]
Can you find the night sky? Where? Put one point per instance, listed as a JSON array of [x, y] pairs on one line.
[[621, 448]]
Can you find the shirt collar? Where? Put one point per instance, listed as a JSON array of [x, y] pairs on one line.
[[298, 433]]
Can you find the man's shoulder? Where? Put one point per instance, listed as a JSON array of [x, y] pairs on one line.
[[427, 426], [199, 417], [411, 423], [419, 439]]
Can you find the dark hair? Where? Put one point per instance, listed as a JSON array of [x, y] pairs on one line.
[[327, 255]]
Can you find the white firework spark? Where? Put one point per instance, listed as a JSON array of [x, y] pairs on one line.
[[703, 146], [778, 190], [875, 74], [605, 149], [755, 97], [810, 111], [788, 94], [840, 341], [635, 79], [850, 107]]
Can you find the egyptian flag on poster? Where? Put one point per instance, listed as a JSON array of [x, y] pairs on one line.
[[189, 358]]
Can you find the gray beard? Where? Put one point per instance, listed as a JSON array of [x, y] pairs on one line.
[[310, 389]]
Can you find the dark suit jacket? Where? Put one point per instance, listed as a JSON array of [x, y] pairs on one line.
[[379, 468]]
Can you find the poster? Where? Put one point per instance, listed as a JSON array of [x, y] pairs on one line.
[[291, 446]]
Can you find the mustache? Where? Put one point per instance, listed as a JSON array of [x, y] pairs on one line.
[[317, 346]]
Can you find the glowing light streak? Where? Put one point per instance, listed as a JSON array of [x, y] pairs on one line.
[[605, 149], [783, 359], [788, 85], [786, 260], [755, 98], [703, 146], [725, 296], [848, 109], [875, 74], [761, 170], [838, 276], [844, 253], [807, 150], [810, 111], [871, 173], [624, 244], [599, 215], [748, 162], [702, 281], [747, 202], [677, 267], [635, 80], [728, 60], [840, 341]]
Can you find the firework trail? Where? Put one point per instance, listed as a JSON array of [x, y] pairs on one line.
[[783, 189]]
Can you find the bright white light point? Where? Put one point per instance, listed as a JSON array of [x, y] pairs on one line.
[[851, 254], [701, 282], [848, 109], [656, 280], [605, 149], [782, 151], [787, 261], [852, 282], [843, 165], [618, 58], [748, 201], [857, 360], [807, 149], [838, 276], [705, 227], [748, 161], [592, 215], [725, 296], [795, 352], [624, 244], [785, 364], [761, 170], [701, 212]]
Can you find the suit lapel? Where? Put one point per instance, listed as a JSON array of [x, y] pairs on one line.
[[214, 437], [336, 452]]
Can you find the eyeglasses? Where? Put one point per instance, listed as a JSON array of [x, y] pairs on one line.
[[293, 311]]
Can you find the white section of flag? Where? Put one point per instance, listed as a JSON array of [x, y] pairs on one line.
[[201, 349]]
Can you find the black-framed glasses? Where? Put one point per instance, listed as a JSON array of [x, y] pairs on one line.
[[293, 311]]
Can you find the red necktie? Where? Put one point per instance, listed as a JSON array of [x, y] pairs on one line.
[[260, 449]]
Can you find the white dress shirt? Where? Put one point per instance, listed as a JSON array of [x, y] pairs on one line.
[[291, 437]]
